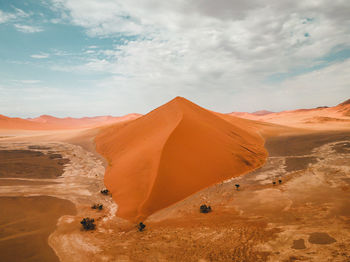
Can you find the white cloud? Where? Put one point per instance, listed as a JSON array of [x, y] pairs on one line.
[[7, 17], [4, 17], [40, 56], [28, 82], [326, 86], [253, 36], [92, 65], [28, 28], [208, 50]]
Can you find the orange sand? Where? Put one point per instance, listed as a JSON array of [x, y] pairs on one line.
[[321, 118], [46, 122], [173, 152]]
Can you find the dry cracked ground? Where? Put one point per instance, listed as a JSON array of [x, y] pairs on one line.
[[295, 208]]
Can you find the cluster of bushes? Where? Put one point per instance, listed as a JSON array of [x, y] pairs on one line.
[[88, 223], [97, 206]]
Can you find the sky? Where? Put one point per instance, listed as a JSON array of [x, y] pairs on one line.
[[112, 57]]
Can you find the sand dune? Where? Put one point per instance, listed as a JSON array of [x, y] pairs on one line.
[[17, 123], [316, 118], [171, 153], [46, 122]]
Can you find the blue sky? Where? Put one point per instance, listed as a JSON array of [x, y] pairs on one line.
[[79, 58]]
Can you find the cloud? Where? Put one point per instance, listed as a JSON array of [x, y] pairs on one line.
[[209, 50], [326, 85], [7, 17], [92, 65], [4, 17], [251, 37], [28, 82], [28, 28], [40, 56]]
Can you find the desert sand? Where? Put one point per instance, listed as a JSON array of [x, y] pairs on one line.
[[171, 153], [46, 122], [320, 118], [160, 168], [27, 224]]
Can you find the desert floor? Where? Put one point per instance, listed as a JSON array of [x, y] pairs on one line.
[[305, 217]]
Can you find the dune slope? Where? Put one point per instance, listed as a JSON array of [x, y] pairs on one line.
[[171, 153]]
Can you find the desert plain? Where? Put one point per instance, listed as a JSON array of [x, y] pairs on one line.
[[278, 185]]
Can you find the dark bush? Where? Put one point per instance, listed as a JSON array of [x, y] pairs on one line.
[[280, 181], [88, 223], [237, 186], [97, 206], [141, 226], [104, 191], [204, 209]]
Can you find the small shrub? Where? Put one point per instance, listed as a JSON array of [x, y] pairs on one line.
[[88, 223], [237, 186], [204, 209], [97, 206], [141, 226], [274, 183], [104, 191], [280, 181]]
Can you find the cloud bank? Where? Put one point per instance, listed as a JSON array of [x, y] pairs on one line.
[[209, 50], [225, 55]]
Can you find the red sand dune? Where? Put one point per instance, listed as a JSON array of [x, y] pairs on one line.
[[69, 122], [17, 123], [173, 152], [316, 118], [46, 122]]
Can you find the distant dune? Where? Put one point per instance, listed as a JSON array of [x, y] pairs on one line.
[[262, 112], [46, 122], [345, 103], [173, 152], [316, 118], [17, 123]]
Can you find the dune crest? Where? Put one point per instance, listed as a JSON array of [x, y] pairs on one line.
[[171, 153]]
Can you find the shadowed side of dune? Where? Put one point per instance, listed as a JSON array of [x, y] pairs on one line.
[[171, 153]]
